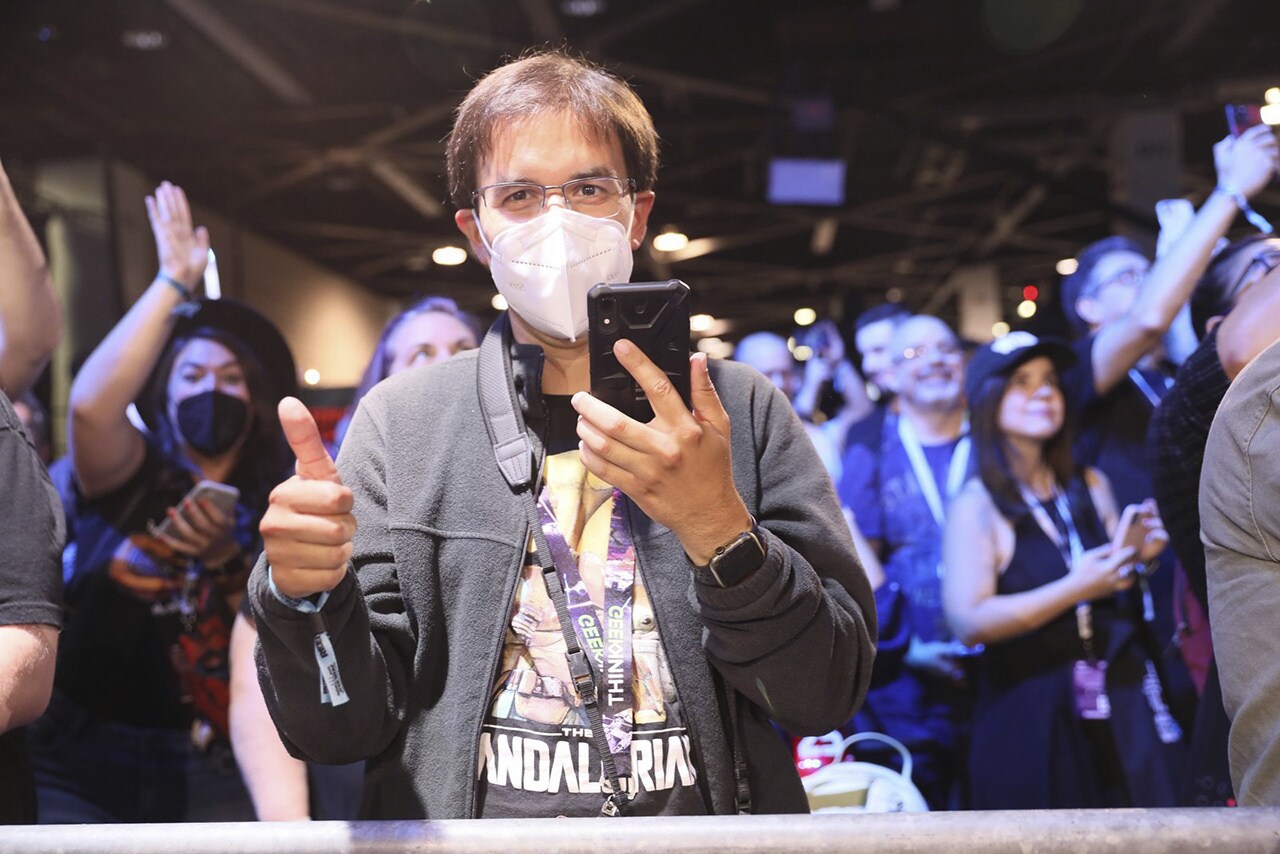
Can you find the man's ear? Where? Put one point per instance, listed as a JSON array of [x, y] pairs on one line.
[[1089, 311], [640, 223], [1212, 323], [470, 228]]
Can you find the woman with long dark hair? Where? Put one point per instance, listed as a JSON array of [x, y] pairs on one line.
[[137, 729], [1068, 709], [431, 330]]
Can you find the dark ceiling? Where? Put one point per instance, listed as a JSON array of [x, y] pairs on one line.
[[973, 130]]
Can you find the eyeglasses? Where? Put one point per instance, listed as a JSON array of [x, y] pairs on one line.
[[1262, 264], [518, 200], [1125, 278], [944, 352]]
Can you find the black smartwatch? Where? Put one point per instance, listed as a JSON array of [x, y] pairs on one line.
[[735, 560]]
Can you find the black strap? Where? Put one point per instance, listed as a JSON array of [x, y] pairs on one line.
[[514, 454]]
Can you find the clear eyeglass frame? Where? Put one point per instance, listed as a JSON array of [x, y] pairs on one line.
[[946, 352], [598, 196]]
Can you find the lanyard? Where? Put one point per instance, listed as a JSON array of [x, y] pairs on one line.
[[1071, 548], [604, 632], [956, 470], [1153, 397]]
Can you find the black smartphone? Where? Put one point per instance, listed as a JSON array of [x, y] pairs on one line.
[[1241, 117], [652, 315]]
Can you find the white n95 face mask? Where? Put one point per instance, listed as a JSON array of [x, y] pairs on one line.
[[544, 267]]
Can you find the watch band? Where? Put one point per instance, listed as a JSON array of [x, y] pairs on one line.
[[735, 560]]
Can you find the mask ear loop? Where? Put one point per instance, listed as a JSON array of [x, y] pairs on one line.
[[488, 247]]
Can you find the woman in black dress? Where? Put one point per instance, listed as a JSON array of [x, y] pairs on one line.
[[1068, 707]]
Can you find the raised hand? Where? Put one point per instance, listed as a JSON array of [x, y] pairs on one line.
[[183, 251], [1247, 163], [308, 527], [677, 468]]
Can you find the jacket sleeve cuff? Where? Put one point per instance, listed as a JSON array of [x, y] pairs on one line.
[[751, 588], [307, 605]]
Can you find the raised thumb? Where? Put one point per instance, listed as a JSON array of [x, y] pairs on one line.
[[314, 462]]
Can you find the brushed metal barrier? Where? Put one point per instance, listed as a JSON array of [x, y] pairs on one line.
[[1132, 831]]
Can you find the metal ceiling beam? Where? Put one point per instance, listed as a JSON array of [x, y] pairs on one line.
[[243, 50], [651, 14], [403, 185]]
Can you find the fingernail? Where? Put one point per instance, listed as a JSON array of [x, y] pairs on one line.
[[624, 347], [577, 398]]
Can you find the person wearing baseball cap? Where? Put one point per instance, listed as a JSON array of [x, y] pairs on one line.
[[1068, 710], [137, 727]]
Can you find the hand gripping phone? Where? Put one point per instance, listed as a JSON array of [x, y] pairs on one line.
[[1241, 117], [652, 315], [221, 495], [1131, 530]]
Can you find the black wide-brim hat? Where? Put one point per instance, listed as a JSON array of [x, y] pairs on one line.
[[1003, 356], [242, 324]]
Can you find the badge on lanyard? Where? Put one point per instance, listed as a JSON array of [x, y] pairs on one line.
[[1089, 682]]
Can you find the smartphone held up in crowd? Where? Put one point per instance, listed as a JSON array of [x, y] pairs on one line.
[[652, 315]]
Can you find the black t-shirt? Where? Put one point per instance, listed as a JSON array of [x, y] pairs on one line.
[[144, 644], [32, 529], [1111, 428]]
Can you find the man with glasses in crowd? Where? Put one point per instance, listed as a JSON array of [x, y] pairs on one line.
[[703, 554], [898, 489], [1120, 306]]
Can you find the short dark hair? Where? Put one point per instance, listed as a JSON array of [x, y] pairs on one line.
[[1215, 294], [989, 448], [1081, 281], [877, 313], [544, 83]]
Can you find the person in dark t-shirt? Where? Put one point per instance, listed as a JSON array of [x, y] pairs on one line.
[[137, 726]]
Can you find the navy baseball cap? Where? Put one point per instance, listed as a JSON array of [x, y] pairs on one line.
[[1003, 356]]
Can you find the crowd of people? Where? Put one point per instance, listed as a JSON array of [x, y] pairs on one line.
[[505, 598]]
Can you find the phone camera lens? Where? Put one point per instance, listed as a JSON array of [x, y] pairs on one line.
[[642, 307]]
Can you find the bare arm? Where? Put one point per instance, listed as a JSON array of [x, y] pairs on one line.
[[975, 611], [1104, 499], [30, 320], [276, 781], [1246, 164], [27, 656], [867, 553], [105, 448], [1252, 326]]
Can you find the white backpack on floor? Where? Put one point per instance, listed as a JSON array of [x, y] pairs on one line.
[[852, 786]]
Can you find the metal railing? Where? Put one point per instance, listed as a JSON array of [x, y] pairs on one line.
[[1134, 831]]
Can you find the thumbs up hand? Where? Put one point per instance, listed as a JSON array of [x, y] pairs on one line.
[[308, 527]]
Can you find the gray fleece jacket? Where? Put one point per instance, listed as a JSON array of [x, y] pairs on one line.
[[418, 624]]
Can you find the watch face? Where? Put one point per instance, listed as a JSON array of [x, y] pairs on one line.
[[741, 558]]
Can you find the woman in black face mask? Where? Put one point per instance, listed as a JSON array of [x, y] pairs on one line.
[[137, 729]]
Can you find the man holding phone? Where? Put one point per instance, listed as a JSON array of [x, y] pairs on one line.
[[702, 554]]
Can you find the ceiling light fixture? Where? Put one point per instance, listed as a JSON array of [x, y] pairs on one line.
[[701, 323], [499, 302], [144, 39], [449, 256], [805, 316], [670, 240], [1067, 266]]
